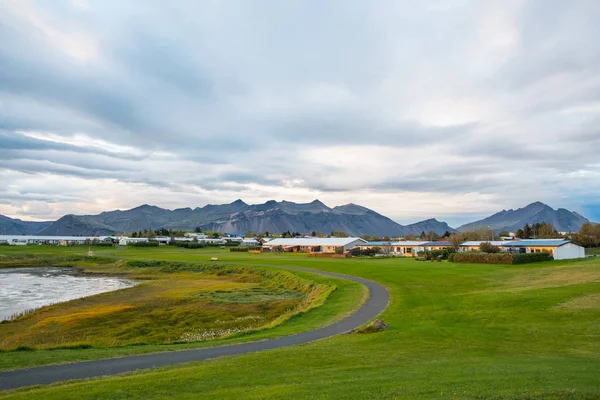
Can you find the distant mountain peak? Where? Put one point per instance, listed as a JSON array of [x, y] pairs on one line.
[[536, 212], [239, 202]]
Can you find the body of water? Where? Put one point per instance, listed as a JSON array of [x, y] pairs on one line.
[[23, 289]]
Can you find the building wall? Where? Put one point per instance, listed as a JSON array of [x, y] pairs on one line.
[[406, 251], [353, 244], [569, 251]]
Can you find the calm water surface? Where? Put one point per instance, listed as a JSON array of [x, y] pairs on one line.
[[26, 288]]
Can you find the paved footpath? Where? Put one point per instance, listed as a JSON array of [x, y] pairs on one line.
[[376, 303]]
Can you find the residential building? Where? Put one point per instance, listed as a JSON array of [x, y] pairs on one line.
[[314, 244]]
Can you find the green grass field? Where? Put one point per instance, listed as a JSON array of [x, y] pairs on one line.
[[456, 331]]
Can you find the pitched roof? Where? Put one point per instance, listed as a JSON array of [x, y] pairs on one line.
[[443, 244], [409, 243], [536, 243], [313, 241], [478, 242]]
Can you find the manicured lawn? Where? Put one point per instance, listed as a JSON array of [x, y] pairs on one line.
[[456, 331]]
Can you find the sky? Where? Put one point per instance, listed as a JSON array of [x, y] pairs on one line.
[[415, 109]]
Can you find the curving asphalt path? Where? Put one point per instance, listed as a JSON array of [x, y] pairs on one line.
[[375, 304]]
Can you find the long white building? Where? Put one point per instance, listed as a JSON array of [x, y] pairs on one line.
[[22, 240], [314, 245]]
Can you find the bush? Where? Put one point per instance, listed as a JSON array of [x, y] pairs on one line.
[[358, 252], [101, 244], [244, 249], [531, 257], [483, 258], [451, 256], [144, 244], [487, 247], [434, 255], [500, 258]]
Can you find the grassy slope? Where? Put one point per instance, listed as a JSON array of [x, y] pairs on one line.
[[457, 331], [347, 297]]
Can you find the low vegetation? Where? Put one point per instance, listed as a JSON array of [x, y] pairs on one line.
[[500, 258], [455, 330], [175, 303]]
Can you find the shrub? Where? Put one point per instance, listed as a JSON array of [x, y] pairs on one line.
[[239, 249], [487, 247], [483, 258], [434, 255], [531, 257], [144, 244], [358, 252], [451, 256], [501, 258]]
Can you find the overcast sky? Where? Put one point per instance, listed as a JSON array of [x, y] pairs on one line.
[[416, 109]]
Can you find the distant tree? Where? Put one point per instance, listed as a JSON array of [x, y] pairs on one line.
[[446, 234], [588, 235], [216, 235], [385, 249], [527, 232], [487, 247], [249, 234], [286, 234], [520, 234], [455, 240], [386, 238], [197, 229], [547, 231], [422, 236], [370, 238], [410, 236], [338, 234], [504, 233], [313, 234]]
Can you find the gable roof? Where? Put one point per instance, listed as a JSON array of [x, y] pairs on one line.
[[536, 243], [313, 241]]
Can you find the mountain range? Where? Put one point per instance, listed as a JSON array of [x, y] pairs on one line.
[[274, 216]]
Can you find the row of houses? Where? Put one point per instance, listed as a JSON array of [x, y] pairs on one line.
[[23, 240], [560, 249]]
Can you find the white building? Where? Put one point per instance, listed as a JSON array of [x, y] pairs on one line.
[[560, 249], [314, 245], [124, 241], [22, 240], [250, 242]]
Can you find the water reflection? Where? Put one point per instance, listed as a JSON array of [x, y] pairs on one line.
[[23, 289]]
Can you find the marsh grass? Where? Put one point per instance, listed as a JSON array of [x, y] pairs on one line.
[[176, 303]]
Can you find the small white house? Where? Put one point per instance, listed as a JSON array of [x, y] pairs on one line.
[[124, 241], [250, 242]]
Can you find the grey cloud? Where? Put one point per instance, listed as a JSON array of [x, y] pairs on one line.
[[224, 90]]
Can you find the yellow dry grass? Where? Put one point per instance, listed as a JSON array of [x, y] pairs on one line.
[[81, 317], [588, 302]]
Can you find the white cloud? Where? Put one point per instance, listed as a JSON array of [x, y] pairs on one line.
[[415, 110]]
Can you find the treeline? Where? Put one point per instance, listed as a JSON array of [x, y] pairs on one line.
[[588, 235]]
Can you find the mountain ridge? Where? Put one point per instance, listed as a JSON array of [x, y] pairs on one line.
[[274, 216]]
